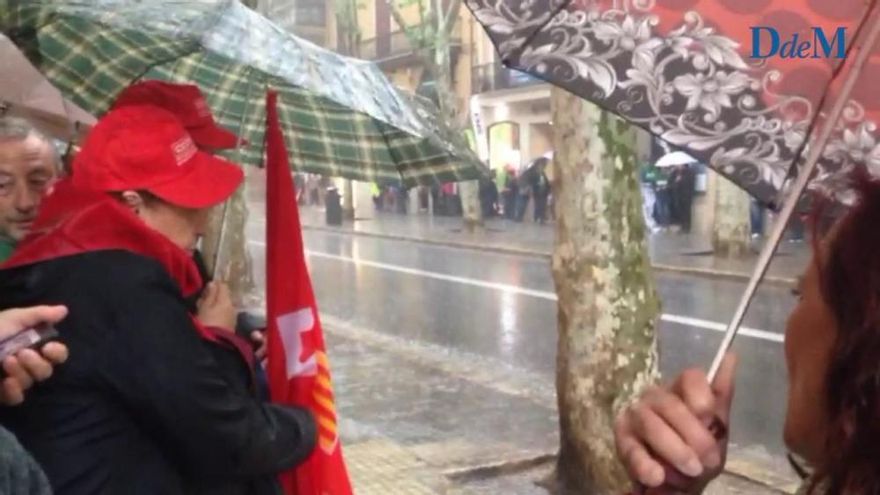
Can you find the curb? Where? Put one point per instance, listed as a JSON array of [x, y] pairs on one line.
[[723, 274], [660, 267], [502, 468], [741, 469], [424, 240]]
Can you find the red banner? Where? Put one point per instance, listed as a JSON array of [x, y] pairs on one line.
[[298, 369]]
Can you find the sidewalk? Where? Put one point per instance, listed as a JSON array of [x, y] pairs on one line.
[[416, 419], [688, 254]]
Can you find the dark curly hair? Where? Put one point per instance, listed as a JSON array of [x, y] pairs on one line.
[[850, 284]]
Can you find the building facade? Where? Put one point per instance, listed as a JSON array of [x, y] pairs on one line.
[[507, 113]]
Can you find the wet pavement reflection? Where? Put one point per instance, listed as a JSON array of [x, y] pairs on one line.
[[502, 308]]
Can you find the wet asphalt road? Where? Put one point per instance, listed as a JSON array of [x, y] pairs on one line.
[[503, 308]]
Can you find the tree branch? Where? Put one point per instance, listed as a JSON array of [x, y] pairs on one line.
[[411, 32], [422, 9], [397, 15], [347, 22], [451, 16]]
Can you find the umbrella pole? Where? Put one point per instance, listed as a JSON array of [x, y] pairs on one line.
[[794, 195], [219, 249]]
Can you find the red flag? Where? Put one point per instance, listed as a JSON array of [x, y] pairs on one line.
[[299, 373]]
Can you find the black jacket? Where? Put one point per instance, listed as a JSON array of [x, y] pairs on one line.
[[146, 404]]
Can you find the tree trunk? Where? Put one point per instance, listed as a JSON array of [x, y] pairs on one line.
[[472, 214], [348, 200], [608, 303], [235, 264], [730, 233]]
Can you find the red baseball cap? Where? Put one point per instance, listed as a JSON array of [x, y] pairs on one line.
[[143, 147], [187, 103]]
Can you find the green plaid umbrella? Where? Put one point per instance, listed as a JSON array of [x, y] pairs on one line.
[[342, 117]]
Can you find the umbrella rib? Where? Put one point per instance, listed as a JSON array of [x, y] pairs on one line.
[[535, 32], [197, 46], [793, 170], [795, 193], [220, 238], [168, 60]]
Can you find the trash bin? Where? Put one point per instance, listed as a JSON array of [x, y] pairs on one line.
[[333, 204]]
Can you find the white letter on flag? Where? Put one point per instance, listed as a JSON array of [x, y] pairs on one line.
[[291, 326]]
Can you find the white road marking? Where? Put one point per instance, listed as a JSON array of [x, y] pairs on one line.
[[722, 328], [515, 289]]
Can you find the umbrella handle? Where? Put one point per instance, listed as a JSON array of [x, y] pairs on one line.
[[676, 482], [800, 185]]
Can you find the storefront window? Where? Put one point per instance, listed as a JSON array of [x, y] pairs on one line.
[[504, 147]]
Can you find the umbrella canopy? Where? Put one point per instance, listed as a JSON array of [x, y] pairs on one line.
[[707, 76], [713, 77], [675, 159], [24, 92], [341, 116]]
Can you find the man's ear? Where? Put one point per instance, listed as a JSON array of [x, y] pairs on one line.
[[133, 200]]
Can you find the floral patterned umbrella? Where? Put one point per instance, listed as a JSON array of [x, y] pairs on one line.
[[684, 70], [777, 95]]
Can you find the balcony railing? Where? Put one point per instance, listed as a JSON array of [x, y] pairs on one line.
[[311, 13], [396, 44], [494, 77]]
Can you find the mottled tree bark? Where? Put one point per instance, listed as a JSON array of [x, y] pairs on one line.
[[348, 200], [608, 305], [731, 229], [472, 214]]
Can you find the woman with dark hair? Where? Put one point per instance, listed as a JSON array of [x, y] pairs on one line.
[[832, 353]]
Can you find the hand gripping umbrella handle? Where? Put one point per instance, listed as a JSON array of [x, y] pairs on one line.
[[677, 482], [794, 195]]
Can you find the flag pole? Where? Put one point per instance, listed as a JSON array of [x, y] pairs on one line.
[[797, 190]]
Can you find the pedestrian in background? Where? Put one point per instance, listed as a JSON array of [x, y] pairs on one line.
[[524, 193], [376, 193], [488, 198], [683, 184], [663, 206], [313, 185], [648, 180], [541, 190], [510, 193], [299, 181], [756, 218]]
